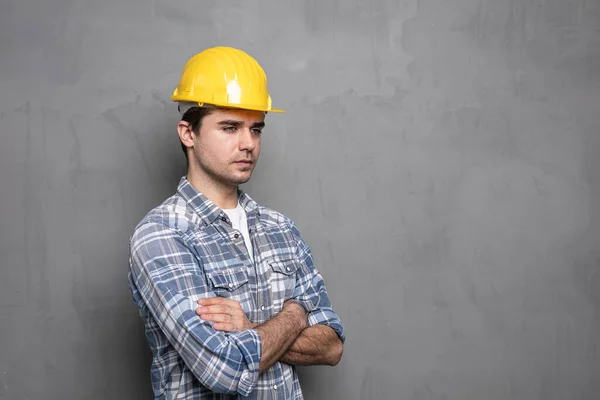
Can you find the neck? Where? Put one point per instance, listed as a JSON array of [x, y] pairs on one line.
[[224, 196]]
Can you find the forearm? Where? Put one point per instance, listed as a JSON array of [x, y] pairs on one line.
[[316, 345], [279, 333]]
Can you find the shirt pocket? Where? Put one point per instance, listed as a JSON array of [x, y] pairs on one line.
[[283, 279], [231, 283]]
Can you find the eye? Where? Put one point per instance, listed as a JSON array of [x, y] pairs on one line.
[[257, 131], [229, 128]]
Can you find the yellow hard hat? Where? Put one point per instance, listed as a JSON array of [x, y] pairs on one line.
[[226, 77]]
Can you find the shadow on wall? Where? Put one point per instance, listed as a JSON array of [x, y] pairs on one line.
[[151, 163], [587, 262]]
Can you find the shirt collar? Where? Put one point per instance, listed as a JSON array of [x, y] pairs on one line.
[[206, 209]]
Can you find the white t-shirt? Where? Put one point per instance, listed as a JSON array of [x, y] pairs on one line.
[[239, 221]]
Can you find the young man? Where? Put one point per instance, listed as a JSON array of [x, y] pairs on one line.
[[227, 289]]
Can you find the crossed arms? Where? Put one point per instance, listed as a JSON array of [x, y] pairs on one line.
[[224, 350], [285, 337]]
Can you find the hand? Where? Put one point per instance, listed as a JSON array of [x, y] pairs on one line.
[[225, 314]]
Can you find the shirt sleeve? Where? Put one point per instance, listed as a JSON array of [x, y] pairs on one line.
[[310, 290], [165, 273]]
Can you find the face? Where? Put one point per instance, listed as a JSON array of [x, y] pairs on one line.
[[228, 145]]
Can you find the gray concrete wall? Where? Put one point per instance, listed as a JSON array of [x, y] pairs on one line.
[[441, 157]]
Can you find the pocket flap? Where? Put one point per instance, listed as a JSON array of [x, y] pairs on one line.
[[286, 267], [230, 280]]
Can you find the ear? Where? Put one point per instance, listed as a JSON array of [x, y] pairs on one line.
[[184, 130]]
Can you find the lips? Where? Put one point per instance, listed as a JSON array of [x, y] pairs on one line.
[[244, 163]]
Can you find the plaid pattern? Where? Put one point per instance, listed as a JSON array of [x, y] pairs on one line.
[[186, 249]]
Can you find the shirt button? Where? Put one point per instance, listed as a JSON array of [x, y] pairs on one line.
[[223, 219], [236, 236], [274, 387], [288, 269], [262, 308], [269, 286], [230, 284]]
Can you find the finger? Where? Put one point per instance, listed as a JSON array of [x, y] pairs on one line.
[[221, 326], [210, 301], [219, 301], [218, 309], [216, 317]]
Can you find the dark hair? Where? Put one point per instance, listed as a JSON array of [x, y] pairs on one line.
[[194, 116]]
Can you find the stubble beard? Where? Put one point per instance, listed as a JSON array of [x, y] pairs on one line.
[[225, 178]]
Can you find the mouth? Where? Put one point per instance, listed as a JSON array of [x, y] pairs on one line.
[[245, 163]]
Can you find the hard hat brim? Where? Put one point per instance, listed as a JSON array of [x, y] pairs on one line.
[[233, 106]]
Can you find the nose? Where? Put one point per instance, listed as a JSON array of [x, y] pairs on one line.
[[247, 140]]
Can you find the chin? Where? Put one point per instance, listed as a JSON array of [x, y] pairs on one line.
[[239, 180]]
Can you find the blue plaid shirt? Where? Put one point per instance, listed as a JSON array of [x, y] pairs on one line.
[[186, 249]]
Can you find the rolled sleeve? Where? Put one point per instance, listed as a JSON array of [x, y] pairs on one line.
[[310, 290], [166, 275]]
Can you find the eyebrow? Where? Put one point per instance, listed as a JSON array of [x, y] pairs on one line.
[[233, 122]]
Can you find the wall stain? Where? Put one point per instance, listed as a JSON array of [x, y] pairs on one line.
[[111, 117], [74, 156]]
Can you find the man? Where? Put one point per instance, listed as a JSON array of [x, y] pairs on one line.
[[227, 289]]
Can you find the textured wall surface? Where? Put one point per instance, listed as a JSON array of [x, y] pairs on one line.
[[441, 157]]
